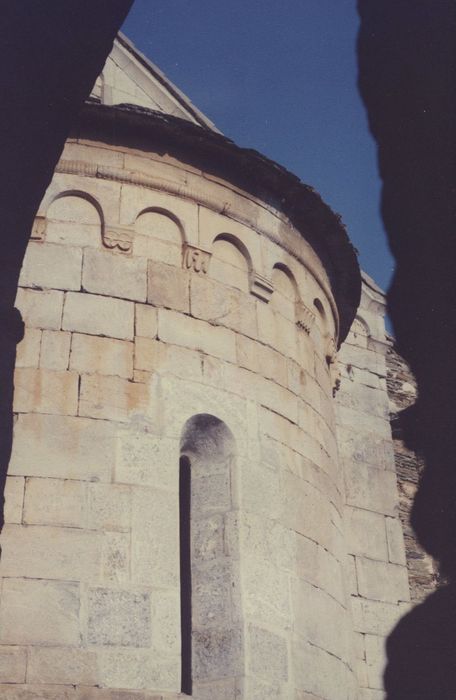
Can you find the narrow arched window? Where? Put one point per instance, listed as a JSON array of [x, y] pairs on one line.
[[209, 559]]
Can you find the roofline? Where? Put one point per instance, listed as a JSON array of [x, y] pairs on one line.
[[164, 80], [139, 127]]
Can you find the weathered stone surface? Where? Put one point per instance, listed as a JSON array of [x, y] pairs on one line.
[[51, 266], [146, 321], [50, 552], [155, 538], [366, 533], [62, 665], [109, 507], [45, 391], [168, 286], [119, 618], [40, 309], [114, 275], [381, 581], [221, 305], [98, 315], [146, 459], [155, 356], [111, 398], [28, 350], [268, 653], [39, 612], [13, 662], [37, 692], [262, 359], [376, 617], [395, 536], [218, 653], [93, 355], [137, 669], [198, 335], [115, 559], [375, 660], [14, 499], [63, 447], [55, 350], [55, 502], [371, 489]]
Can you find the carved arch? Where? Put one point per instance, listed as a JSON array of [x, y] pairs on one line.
[[167, 214]]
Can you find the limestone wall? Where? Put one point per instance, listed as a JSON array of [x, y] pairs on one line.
[[156, 297], [376, 565]]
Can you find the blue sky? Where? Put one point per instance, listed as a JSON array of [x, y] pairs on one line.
[[279, 76]]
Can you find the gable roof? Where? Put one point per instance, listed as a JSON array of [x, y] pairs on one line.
[[128, 77]]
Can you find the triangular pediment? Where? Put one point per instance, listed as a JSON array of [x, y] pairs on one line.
[[128, 77]]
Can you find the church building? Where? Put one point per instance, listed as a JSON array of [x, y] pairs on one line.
[[202, 498]]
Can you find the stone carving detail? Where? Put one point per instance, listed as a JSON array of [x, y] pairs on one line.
[[196, 259], [260, 286], [116, 237], [305, 318], [38, 229]]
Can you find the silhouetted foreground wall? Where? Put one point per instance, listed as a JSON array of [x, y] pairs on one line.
[[407, 67]]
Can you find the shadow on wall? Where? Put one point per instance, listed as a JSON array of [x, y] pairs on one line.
[[407, 69], [46, 72]]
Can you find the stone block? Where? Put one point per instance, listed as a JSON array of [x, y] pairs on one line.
[[212, 591], [208, 538], [395, 536], [40, 309], [62, 665], [115, 558], [93, 355], [155, 356], [268, 654], [114, 275], [365, 422], [155, 538], [13, 662], [63, 447], [195, 334], [370, 488], [217, 654], [50, 553], [55, 350], [368, 694], [109, 507], [146, 459], [119, 618], [55, 502], [137, 668], [375, 660], [261, 359], [221, 305], [39, 612], [376, 617], [365, 448], [14, 499], [320, 568], [315, 616], [146, 321], [28, 350], [51, 266], [166, 631], [98, 315], [382, 581], [365, 533], [168, 286], [45, 391], [266, 596], [112, 398]]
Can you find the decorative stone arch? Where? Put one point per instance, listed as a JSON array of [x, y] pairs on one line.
[[40, 224], [211, 622], [163, 238], [234, 266]]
